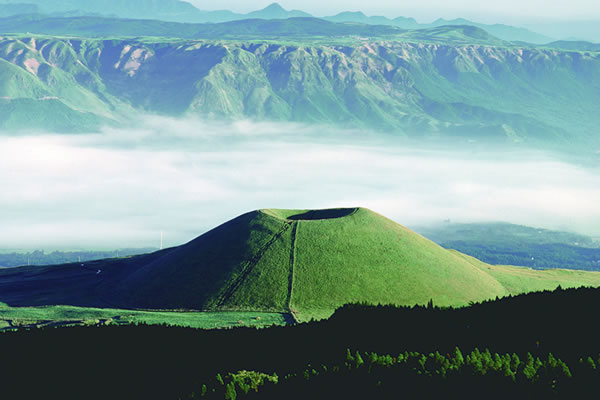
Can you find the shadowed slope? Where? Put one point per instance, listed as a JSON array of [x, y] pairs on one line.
[[205, 272]]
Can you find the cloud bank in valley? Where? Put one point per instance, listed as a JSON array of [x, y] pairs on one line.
[[122, 187]]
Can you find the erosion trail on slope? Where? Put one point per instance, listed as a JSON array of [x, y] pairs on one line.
[[292, 261], [247, 268]]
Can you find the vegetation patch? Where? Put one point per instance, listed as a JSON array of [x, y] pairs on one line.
[[32, 317]]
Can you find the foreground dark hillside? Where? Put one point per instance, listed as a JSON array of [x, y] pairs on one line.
[[419, 85], [161, 362]]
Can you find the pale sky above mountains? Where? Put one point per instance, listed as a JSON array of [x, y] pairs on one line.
[[427, 10]]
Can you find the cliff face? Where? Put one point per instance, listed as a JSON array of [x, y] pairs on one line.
[[522, 94]]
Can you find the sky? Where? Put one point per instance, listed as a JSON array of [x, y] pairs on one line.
[[428, 10], [121, 188]]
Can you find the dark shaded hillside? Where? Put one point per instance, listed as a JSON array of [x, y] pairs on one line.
[[161, 362], [507, 94]]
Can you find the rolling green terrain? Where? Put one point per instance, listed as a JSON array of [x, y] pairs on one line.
[[454, 81], [304, 263], [503, 243], [518, 280]]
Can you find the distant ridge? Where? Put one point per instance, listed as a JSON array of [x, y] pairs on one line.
[[275, 11], [504, 32], [575, 45], [182, 11]]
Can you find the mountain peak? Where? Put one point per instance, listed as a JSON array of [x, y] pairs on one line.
[[353, 13], [276, 11], [274, 7]]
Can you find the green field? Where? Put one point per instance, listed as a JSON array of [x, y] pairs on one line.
[[519, 280], [20, 317]]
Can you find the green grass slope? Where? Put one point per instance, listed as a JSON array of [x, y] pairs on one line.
[[306, 262], [363, 256], [300, 262], [204, 273], [518, 280]]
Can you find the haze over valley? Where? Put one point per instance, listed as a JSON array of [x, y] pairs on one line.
[[110, 141], [122, 187]]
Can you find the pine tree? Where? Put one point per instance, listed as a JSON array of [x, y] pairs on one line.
[[230, 393], [459, 360], [529, 370], [515, 362], [591, 364], [359, 361]]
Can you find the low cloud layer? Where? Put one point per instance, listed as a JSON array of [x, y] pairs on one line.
[[122, 188]]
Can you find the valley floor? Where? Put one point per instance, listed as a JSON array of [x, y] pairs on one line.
[[31, 317]]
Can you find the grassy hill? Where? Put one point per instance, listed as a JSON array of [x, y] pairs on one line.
[[306, 262], [302, 262]]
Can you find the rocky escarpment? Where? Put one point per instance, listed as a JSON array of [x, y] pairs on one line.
[[516, 93]]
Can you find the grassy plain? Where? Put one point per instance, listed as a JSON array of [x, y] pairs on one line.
[[17, 317], [518, 280]]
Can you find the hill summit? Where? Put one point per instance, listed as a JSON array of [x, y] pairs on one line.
[[307, 262]]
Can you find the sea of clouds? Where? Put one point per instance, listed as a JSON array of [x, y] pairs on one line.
[[123, 187]]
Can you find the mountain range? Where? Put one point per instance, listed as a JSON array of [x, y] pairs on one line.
[[181, 11], [448, 81]]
